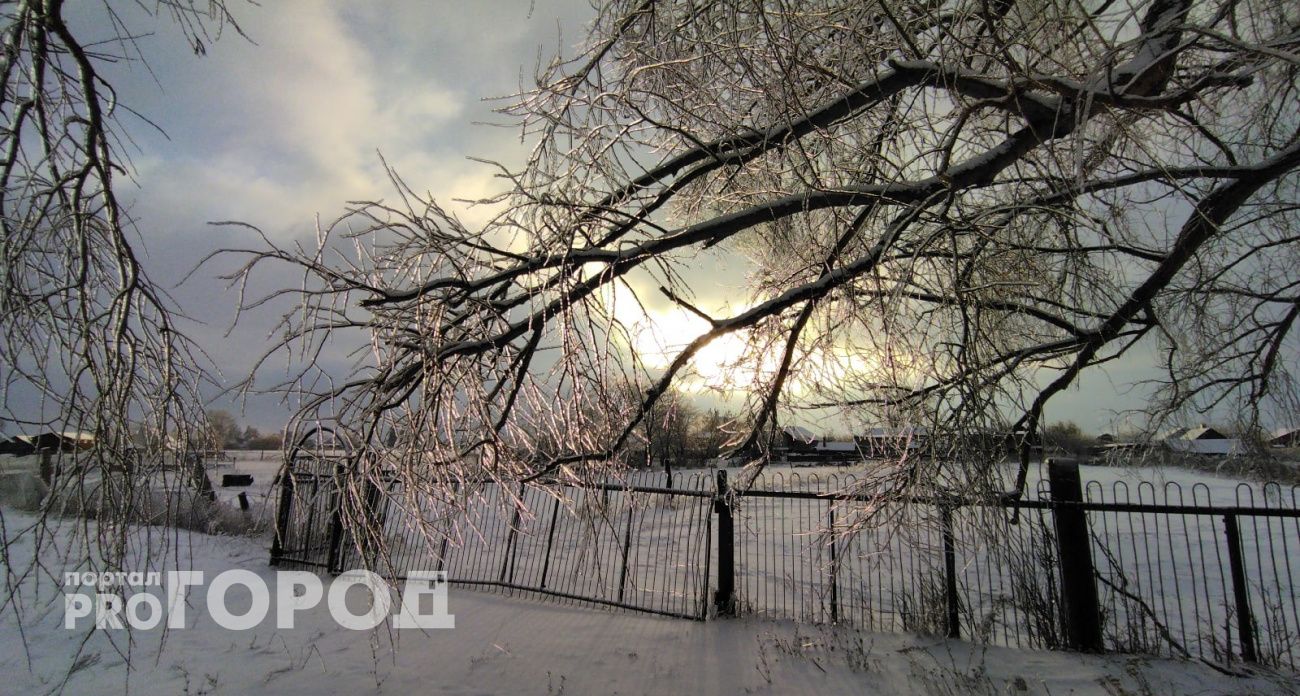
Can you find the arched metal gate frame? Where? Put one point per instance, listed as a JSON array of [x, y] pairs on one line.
[[309, 527]]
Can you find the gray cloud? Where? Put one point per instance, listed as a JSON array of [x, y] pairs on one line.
[[280, 129]]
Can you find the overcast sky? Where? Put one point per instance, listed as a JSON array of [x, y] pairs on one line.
[[285, 126], [288, 125]]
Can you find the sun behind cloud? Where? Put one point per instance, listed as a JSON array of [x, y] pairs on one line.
[[658, 335]]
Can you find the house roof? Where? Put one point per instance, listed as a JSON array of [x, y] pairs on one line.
[[1200, 432], [799, 433], [1204, 432], [54, 440], [906, 431]]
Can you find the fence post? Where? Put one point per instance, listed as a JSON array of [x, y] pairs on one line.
[[835, 589], [334, 563], [1245, 620], [374, 515], [950, 572], [627, 545], [550, 539], [282, 514], [1074, 550], [509, 561], [725, 597], [442, 547]]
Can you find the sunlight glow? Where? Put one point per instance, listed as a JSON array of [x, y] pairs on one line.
[[728, 363], [658, 336]]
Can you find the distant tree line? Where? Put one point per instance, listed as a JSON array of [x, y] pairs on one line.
[[1068, 437], [224, 432]]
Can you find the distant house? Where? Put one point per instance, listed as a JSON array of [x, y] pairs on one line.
[[837, 446], [994, 442], [801, 447], [66, 441], [797, 439], [884, 443], [1108, 447], [1202, 440], [836, 452], [16, 446], [1200, 432], [1104, 443], [1287, 437]]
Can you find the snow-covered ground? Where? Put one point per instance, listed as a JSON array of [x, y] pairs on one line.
[[261, 465], [523, 645], [533, 645]]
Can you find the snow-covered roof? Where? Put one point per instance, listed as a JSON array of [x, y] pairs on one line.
[[1204, 432], [837, 446], [906, 431], [1200, 432], [799, 433], [73, 435]]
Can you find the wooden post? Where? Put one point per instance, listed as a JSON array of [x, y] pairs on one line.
[[725, 597], [199, 475], [47, 468], [1245, 620], [1074, 550]]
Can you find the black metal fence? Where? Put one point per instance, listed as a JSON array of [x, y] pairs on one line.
[[1180, 576], [927, 565], [635, 547], [1125, 568], [1147, 569]]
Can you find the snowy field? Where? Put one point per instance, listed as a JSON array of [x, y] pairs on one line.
[[517, 645], [261, 465]]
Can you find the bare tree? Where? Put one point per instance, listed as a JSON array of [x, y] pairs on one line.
[[222, 430], [709, 436], [88, 342], [1067, 437], [949, 212]]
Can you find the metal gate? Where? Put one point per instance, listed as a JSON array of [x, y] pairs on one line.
[[308, 526], [643, 548]]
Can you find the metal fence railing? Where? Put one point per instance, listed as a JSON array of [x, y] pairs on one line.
[[1179, 576], [635, 547], [1167, 570], [912, 565]]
